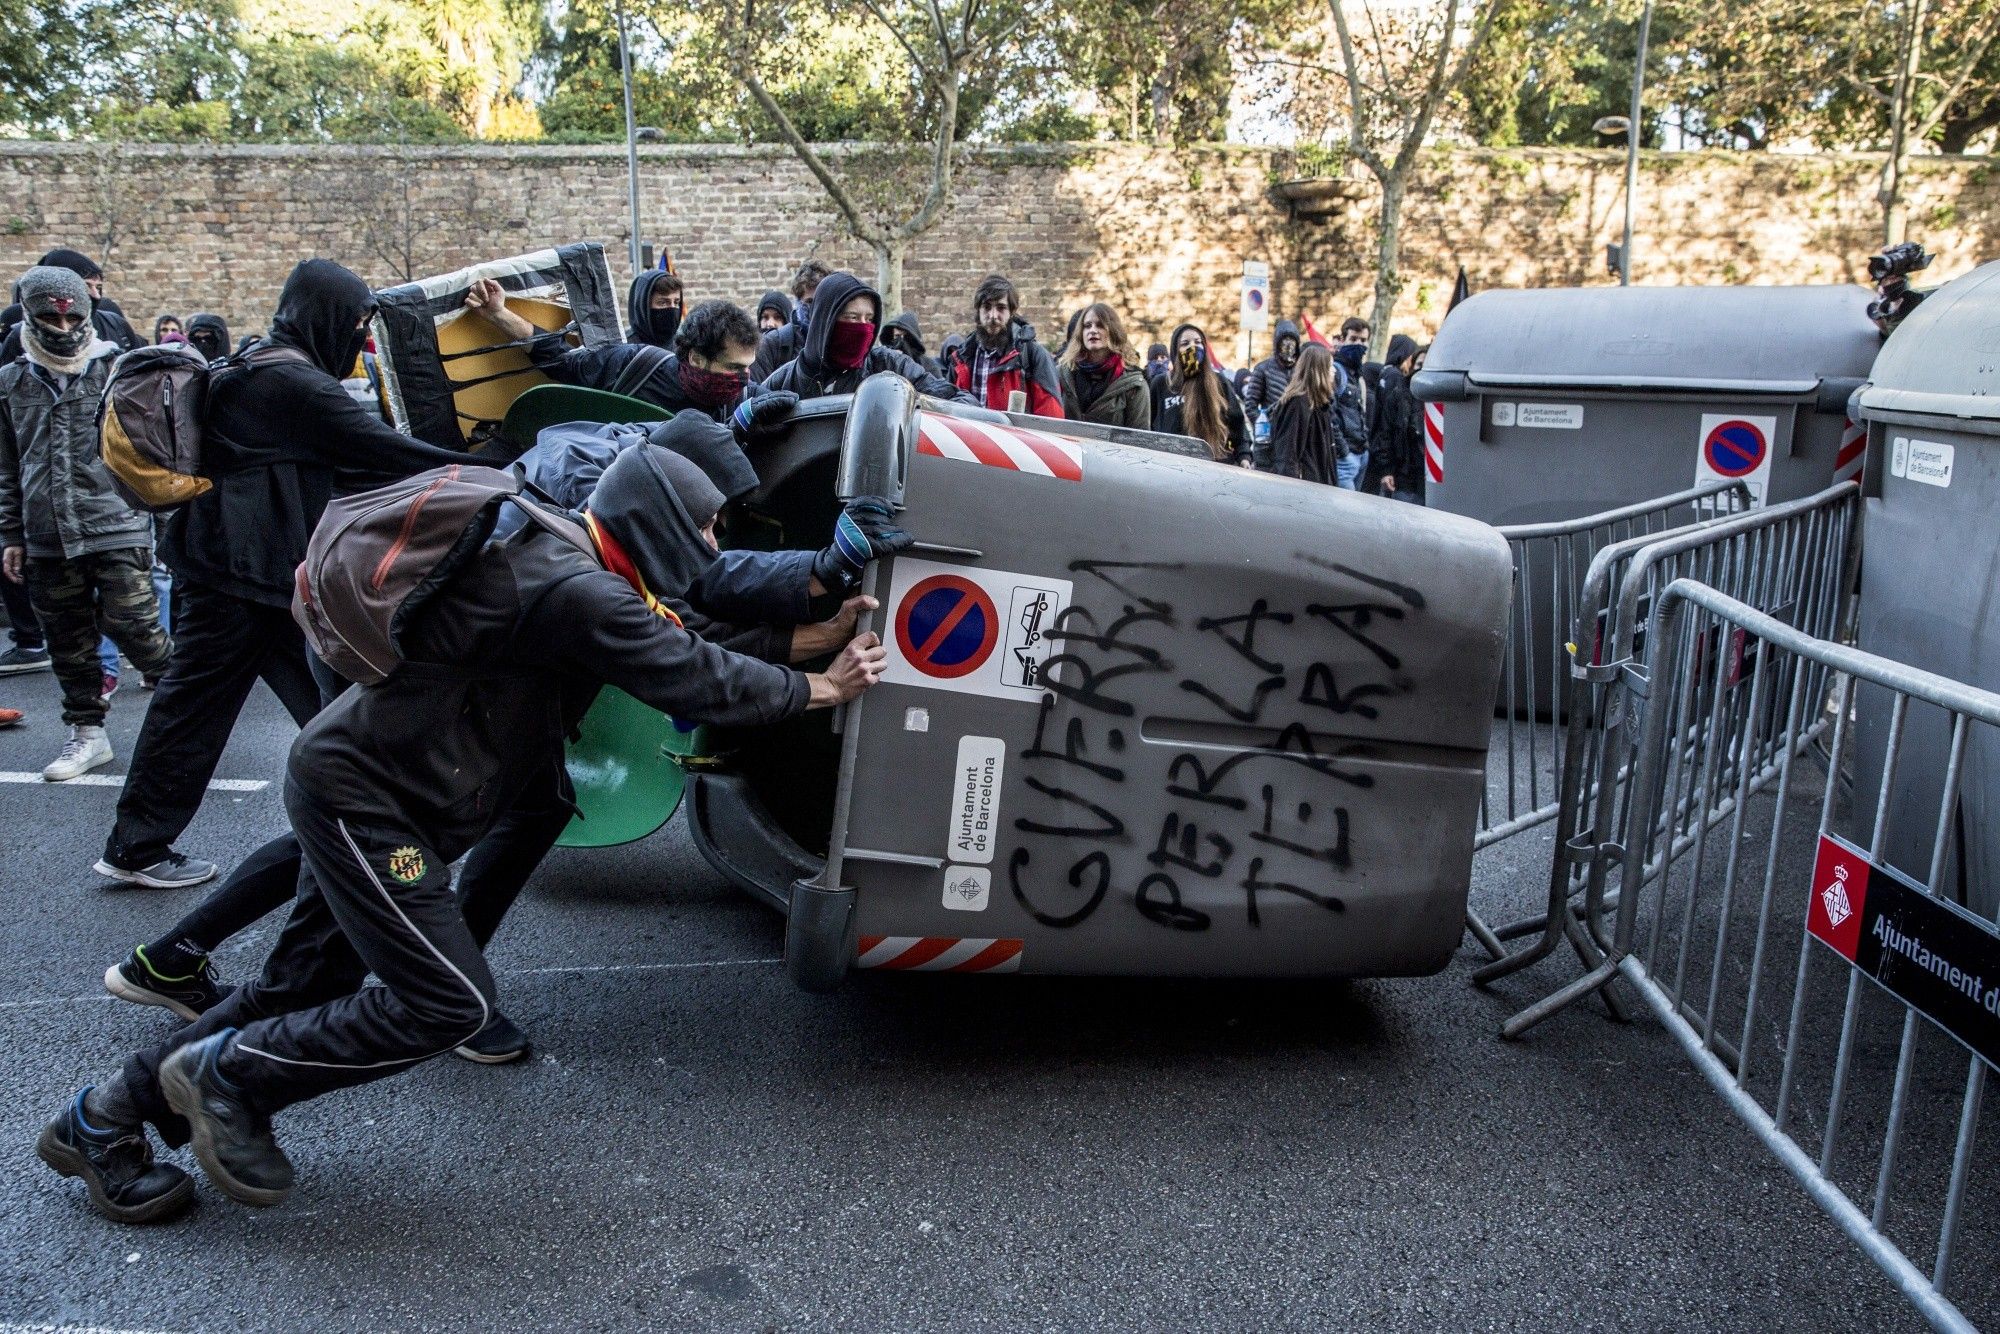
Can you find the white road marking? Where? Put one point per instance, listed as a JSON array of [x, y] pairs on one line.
[[7, 1327], [118, 780], [48, 1001]]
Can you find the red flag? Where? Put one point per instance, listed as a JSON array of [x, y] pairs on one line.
[[1314, 335]]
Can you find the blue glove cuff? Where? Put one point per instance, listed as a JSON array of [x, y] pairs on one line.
[[851, 543]]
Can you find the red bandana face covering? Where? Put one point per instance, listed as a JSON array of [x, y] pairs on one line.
[[711, 389], [847, 346]]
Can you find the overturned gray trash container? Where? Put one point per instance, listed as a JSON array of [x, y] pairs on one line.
[[1144, 714], [1557, 403], [1930, 571]]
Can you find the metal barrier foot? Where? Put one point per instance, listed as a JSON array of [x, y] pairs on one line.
[[1556, 1002], [1484, 935]]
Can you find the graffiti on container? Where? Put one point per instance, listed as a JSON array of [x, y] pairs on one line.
[[1254, 815]]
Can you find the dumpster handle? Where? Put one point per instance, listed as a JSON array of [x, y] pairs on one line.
[[940, 549], [895, 858]]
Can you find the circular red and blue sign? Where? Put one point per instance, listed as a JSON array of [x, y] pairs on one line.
[[947, 626], [1735, 449]]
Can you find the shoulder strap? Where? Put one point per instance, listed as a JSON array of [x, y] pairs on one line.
[[639, 369], [550, 521]]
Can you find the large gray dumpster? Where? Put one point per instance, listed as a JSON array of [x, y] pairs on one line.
[[1144, 714], [1930, 577], [1552, 404]]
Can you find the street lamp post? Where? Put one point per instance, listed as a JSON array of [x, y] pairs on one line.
[[632, 133], [1632, 133]]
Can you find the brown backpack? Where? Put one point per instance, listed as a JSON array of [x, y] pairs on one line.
[[376, 558], [150, 421]]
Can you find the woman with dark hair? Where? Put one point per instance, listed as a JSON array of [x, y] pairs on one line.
[[1193, 399], [1101, 379], [1303, 441]]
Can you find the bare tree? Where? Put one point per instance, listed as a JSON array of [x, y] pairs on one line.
[[392, 217], [872, 185], [1398, 74]]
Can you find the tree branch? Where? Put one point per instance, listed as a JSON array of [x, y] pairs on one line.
[[1357, 135], [1974, 54], [916, 61], [842, 200]]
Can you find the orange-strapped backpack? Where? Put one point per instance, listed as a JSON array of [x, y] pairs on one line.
[[150, 422], [376, 558]]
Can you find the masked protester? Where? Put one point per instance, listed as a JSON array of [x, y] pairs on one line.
[[840, 350], [904, 335], [105, 315], [84, 555], [774, 311], [1351, 411], [1398, 447], [653, 308], [1194, 399], [390, 785], [1269, 377], [1101, 381], [1002, 356], [781, 344], [209, 334], [706, 372], [280, 434]]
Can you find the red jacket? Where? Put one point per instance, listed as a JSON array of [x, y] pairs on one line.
[[1026, 365]]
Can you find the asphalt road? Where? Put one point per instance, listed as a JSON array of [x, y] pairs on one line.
[[697, 1144]]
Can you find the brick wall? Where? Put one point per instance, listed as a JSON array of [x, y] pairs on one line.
[[1161, 234]]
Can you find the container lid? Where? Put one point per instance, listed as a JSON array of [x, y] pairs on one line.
[[1762, 340], [1944, 360]]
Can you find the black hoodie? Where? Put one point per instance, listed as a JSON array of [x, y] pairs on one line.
[[808, 374], [209, 334], [281, 437], [1169, 398], [654, 327], [1270, 376], [774, 300], [913, 341]]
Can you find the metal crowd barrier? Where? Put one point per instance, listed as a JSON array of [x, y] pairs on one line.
[[1550, 599], [1708, 941], [1794, 559]]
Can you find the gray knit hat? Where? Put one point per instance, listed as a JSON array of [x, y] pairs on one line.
[[46, 290]]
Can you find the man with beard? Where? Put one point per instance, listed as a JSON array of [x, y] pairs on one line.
[[279, 434], [1002, 356]]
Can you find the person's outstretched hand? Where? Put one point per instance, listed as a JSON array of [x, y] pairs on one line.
[[858, 667]]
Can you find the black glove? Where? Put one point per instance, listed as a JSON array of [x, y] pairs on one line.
[[866, 531], [758, 419]]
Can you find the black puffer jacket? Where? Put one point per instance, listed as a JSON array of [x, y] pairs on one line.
[[808, 374], [281, 439], [1269, 377]]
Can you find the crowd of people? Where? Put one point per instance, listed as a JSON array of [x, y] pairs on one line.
[[606, 572]]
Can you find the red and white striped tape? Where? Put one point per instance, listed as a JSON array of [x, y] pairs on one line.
[[939, 954], [1000, 446], [1853, 449], [1434, 440]]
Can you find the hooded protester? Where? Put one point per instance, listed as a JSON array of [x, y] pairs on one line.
[[1156, 363], [85, 555], [774, 311], [1002, 356], [783, 343], [903, 335], [209, 334], [1100, 383], [105, 314], [706, 372], [164, 325], [280, 436], [1303, 441], [1398, 447], [950, 353], [1269, 377], [1352, 405], [840, 350], [1194, 399], [653, 308], [395, 781]]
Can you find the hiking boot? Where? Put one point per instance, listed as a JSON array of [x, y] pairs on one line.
[[172, 871], [87, 748], [117, 1166], [11, 717], [189, 997], [233, 1143], [496, 1044], [24, 660]]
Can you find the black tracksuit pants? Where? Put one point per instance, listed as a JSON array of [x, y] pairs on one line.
[[372, 897], [222, 645]]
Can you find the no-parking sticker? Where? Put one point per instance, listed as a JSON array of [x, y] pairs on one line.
[[1736, 449], [974, 630]]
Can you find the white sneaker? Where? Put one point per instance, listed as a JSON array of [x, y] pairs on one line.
[[87, 748]]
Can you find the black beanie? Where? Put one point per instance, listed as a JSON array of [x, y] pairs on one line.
[[82, 265], [655, 504]]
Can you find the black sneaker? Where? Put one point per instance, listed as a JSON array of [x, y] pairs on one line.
[[172, 871], [189, 997], [496, 1044], [233, 1144], [24, 660], [117, 1165]]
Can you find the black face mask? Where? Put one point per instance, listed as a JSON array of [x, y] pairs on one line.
[[1349, 355]]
